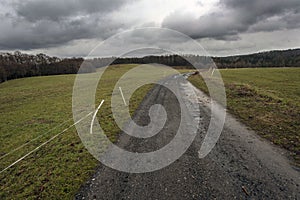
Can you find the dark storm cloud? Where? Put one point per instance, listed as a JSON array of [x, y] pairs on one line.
[[19, 34], [41, 23], [51, 24], [238, 16], [289, 20], [35, 10]]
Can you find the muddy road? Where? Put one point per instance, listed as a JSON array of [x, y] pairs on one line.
[[240, 166]]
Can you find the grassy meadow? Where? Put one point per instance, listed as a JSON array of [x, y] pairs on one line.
[[41, 107], [35, 109], [267, 100]]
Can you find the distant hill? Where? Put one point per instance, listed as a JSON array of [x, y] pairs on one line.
[[284, 58], [18, 65]]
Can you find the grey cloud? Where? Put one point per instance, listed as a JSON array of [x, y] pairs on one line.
[[35, 10], [288, 20], [238, 16], [53, 24], [145, 41], [41, 24], [25, 35]]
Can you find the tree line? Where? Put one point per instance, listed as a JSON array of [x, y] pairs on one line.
[[285, 58], [18, 65]]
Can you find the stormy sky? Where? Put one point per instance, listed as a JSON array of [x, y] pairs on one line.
[[75, 27]]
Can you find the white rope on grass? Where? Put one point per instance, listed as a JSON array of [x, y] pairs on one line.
[[43, 144], [122, 96], [94, 116], [25, 144]]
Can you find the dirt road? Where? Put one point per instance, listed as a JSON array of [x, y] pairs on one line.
[[241, 165]]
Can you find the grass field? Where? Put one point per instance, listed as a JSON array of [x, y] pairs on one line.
[[31, 107], [267, 100]]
